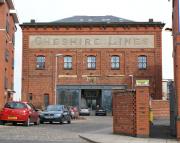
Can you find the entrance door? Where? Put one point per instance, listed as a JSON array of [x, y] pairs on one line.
[[91, 98], [46, 100], [91, 103]]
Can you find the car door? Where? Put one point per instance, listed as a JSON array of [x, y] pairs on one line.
[[34, 114]]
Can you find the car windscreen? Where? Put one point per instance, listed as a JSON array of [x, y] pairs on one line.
[[54, 108], [15, 105]]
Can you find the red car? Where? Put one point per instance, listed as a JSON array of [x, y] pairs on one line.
[[19, 112]]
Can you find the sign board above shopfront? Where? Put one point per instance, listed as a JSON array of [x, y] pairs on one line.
[[142, 82]]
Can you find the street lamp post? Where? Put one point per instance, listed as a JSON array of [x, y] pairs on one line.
[[132, 81], [55, 80]]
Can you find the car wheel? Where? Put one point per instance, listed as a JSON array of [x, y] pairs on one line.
[[69, 121], [27, 122], [50, 122], [42, 122], [14, 123], [2, 122], [60, 121], [37, 122]]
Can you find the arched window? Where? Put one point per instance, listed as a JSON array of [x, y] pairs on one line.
[[115, 62], [142, 62], [67, 62], [40, 62], [91, 62]]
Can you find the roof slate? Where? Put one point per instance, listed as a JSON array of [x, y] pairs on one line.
[[87, 21], [92, 19]]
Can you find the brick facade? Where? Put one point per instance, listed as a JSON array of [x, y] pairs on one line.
[[39, 82], [124, 108], [131, 112], [142, 112], [176, 56], [7, 31], [160, 109]]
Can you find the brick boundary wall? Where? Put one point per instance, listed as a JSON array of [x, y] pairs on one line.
[[160, 109], [123, 112], [131, 112]]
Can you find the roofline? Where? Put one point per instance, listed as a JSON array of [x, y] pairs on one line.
[[108, 24], [2, 1], [10, 4], [14, 15]]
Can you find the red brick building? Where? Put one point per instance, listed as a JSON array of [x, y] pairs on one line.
[[79, 60], [8, 19], [176, 54]]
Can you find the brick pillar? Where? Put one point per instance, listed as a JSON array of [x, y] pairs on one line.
[[142, 111], [178, 128], [123, 112]]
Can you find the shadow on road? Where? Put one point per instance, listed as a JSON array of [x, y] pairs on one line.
[[161, 129]]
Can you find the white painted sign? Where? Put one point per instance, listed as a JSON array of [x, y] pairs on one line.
[[91, 41], [142, 82]]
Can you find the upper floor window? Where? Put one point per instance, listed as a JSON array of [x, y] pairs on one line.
[[142, 62], [7, 23], [68, 62], [13, 39], [12, 63], [6, 55], [40, 62], [5, 82], [115, 62], [91, 62]]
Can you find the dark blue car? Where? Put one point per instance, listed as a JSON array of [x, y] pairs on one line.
[[55, 113]]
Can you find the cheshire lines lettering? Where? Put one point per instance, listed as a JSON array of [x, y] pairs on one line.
[[92, 41]]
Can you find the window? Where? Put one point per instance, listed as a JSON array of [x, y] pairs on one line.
[[15, 105], [30, 97], [5, 82], [40, 62], [6, 55], [12, 63], [13, 39], [67, 62], [115, 62], [142, 62], [46, 100], [7, 23], [91, 62]]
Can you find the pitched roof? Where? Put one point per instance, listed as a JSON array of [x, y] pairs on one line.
[[107, 20], [92, 19]]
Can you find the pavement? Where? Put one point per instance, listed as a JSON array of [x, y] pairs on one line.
[[106, 136]]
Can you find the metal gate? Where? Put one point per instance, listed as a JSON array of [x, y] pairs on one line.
[[173, 107]]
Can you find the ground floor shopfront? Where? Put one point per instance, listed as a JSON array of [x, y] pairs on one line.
[[89, 96]]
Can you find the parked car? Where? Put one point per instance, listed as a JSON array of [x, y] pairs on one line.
[[55, 113], [74, 112], [19, 112], [84, 111], [100, 111]]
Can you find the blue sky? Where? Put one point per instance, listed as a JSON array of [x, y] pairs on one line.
[[136, 10]]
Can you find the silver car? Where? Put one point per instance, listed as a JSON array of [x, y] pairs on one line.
[[84, 111]]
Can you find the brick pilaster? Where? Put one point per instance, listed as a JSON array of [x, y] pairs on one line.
[[142, 111]]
